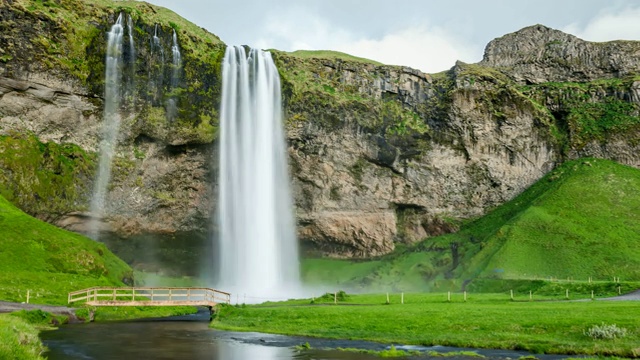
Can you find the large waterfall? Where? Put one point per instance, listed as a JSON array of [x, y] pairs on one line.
[[110, 125], [258, 252]]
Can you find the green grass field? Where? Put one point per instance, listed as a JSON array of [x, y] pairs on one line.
[[50, 262], [484, 321], [581, 220]]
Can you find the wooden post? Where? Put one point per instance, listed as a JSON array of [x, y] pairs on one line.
[[619, 290], [189, 295], [465, 296], [449, 296], [511, 291], [530, 295], [387, 298], [335, 297], [589, 279], [592, 295], [114, 294], [151, 294], [401, 298], [133, 294], [28, 295], [567, 293]]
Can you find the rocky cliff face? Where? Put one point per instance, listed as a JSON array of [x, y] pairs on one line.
[[378, 154]]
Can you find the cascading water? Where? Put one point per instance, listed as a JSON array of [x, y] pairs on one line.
[[175, 77], [110, 124], [258, 251], [156, 70], [130, 91]]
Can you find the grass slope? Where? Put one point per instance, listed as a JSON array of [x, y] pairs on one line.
[[50, 262], [581, 220], [331, 55]]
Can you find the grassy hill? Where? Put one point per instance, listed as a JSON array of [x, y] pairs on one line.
[[581, 220], [50, 262]]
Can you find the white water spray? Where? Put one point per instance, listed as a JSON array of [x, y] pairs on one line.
[[110, 124], [258, 251]]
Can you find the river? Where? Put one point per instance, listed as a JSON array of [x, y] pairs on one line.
[[189, 337]]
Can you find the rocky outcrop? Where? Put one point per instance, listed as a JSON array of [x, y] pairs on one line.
[[538, 54], [378, 154]]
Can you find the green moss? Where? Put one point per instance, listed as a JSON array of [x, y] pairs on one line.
[[44, 178], [590, 111]]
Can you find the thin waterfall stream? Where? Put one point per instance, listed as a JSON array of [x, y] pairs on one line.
[[110, 125]]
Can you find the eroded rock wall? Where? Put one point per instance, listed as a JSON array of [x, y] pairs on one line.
[[378, 154]]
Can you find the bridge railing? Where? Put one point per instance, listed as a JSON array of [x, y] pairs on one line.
[[164, 295]]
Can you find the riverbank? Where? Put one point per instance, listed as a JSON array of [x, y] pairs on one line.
[[483, 321], [19, 339]]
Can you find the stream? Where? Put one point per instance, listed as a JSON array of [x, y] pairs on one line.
[[189, 337]]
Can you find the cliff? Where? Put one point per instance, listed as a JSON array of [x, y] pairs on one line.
[[378, 154]]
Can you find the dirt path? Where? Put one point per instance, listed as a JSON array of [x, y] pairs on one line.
[[7, 307], [626, 297]]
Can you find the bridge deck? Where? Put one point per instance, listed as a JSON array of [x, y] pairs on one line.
[[150, 296]]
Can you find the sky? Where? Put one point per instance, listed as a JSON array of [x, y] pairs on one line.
[[429, 35]]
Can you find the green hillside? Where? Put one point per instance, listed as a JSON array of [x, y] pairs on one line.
[[50, 262], [581, 220]]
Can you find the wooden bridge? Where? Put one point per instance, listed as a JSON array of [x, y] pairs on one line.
[[150, 296]]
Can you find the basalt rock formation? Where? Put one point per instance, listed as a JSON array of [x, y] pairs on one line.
[[378, 154]]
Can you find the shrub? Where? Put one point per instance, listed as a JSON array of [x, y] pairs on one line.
[[605, 331]]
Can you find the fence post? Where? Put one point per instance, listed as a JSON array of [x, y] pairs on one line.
[[567, 293], [449, 296], [387, 298], [133, 296], [530, 295], [335, 297], [401, 298], [592, 295], [511, 292], [28, 295], [465, 296]]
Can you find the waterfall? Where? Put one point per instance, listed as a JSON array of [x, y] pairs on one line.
[[156, 43], [110, 124], [258, 251], [156, 72], [130, 91], [175, 77]]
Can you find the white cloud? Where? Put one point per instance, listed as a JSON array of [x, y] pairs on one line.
[[620, 25], [430, 49]]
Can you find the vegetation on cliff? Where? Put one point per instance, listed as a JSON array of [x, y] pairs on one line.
[[45, 179], [67, 39], [49, 262]]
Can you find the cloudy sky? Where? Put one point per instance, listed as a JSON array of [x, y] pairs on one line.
[[429, 35]]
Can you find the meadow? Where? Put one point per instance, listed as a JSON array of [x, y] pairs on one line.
[[483, 321]]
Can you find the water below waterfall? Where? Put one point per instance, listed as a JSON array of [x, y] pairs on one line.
[[110, 124], [258, 253]]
